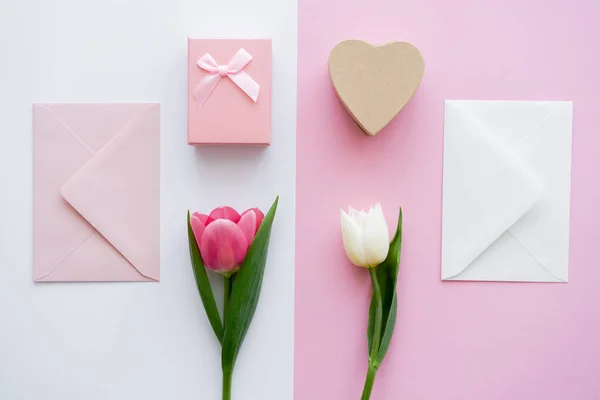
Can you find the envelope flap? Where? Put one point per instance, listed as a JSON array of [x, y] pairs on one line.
[[544, 231], [487, 188], [118, 191], [95, 124]]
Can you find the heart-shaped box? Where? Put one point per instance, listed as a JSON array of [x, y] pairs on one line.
[[375, 82]]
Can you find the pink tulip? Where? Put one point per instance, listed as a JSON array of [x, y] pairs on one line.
[[224, 237]]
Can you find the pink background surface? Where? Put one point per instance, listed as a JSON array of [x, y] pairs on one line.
[[454, 340], [229, 116]]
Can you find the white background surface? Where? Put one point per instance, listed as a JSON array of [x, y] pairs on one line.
[[141, 340]]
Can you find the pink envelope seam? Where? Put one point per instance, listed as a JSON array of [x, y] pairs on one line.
[[66, 257], [67, 127], [119, 133]]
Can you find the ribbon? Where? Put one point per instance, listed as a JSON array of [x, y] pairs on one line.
[[233, 70]]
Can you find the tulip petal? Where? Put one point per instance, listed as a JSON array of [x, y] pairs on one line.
[[225, 212], [204, 219], [352, 238], [248, 225], [199, 222], [259, 216], [223, 246], [376, 236], [359, 217]]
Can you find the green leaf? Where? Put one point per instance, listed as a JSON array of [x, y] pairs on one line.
[[387, 277], [371, 325], [245, 292], [203, 284]]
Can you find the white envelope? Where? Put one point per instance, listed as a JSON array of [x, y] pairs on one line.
[[507, 179]]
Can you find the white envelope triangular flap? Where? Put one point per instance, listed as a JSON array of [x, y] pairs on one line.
[[128, 219], [544, 231], [486, 188], [506, 260]]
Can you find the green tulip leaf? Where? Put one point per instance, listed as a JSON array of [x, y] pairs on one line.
[[245, 293], [203, 284], [387, 277]]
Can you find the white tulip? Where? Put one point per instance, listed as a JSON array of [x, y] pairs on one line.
[[366, 236]]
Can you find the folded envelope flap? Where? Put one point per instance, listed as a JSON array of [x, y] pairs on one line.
[[544, 231], [118, 191], [486, 189]]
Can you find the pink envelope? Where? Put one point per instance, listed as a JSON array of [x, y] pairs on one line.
[[96, 203], [234, 108]]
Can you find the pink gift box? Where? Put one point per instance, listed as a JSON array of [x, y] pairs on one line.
[[229, 91]]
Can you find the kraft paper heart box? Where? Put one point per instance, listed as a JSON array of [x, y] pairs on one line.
[[229, 91]]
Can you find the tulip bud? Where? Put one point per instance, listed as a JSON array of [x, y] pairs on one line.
[[224, 237], [366, 236]]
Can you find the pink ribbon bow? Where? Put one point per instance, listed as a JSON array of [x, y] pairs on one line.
[[233, 70]]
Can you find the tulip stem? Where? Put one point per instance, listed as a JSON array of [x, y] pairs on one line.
[[226, 293], [372, 371], [227, 374], [378, 315], [366, 394]]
